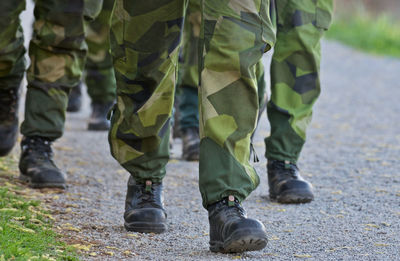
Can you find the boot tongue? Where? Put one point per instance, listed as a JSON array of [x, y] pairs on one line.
[[148, 186]]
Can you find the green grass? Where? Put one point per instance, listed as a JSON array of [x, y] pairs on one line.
[[25, 228], [377, 35]]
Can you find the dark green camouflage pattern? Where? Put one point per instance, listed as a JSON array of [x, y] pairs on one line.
[[145, 39], [235, 35], [295, 74], [99, 71], [188, 80], [57, 52], [145, 43], [12, 61], [189, 71]]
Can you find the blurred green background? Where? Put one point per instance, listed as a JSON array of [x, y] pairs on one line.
[[369, 25]]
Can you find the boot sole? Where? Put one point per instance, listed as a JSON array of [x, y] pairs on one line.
[[31, 184], [145, 227], [294, 196], [241, 241]]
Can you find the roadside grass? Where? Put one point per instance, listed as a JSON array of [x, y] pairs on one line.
[[25, 226], [374, 34]]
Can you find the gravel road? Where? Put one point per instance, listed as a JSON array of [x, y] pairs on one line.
[[351, 157]]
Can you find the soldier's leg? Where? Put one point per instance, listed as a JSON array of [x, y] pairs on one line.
[[234, 36], [99, 76], [12, 68], [188, 98], [188, 83], [145, 42], [57, 51], [295, 86]]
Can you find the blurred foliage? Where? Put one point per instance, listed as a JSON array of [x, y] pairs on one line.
[[377, 33]]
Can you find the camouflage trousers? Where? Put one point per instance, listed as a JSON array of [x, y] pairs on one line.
[[57, 52], [188, 78], [295, 73], [12, 61], [99, 71], [294, 69], [145, 45]]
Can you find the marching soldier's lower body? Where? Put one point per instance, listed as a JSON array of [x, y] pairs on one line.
[[57, 52], [99, 72], [295, 86], [145, 43], [12, 69], [188, 81]]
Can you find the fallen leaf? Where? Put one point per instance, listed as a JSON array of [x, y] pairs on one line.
[[109, 253], [270, 254], [302, 256], [338, 192], [19, 218], [81, 163], [381, 244], [63, 148], [93, 254], [121, 171], [70, 227], [22, 229], [8, 209], [35, 221], [82, 247]]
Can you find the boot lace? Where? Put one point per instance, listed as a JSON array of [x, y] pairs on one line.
[[147, 197], [233, 211], [40, 146], [287, 171]]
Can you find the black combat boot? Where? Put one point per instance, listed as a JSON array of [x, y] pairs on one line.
[[230, 229], [8, 119], [98, 119], [75, 99], [36, 164], [286, 185], [144, 209], [190, 144]]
